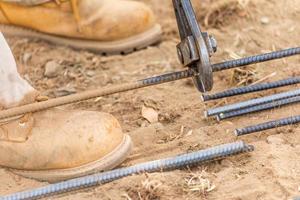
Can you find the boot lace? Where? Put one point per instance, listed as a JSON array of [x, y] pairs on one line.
[[74, 5]]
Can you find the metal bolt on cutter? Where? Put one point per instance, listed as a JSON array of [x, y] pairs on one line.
[[196, 47]]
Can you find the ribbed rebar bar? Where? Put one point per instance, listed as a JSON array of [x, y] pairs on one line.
[[38, 106], [251, 88], [252, 102], [34, 107], [258, 108], [267, 125], [256, 59], [189, 159], [169, 77]]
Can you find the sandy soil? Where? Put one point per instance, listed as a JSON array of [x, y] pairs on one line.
[[272, 171]]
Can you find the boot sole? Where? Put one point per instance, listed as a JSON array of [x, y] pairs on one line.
[[110, 161], [123, 46]]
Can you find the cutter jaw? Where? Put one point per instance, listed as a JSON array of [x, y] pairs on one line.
[[196, 47]]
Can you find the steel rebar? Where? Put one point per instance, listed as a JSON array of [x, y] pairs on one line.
[[267, 125], [251, 88], [252, 102], [38, 106], [256, 59], [258, 108], [60, 101], [180, 161]]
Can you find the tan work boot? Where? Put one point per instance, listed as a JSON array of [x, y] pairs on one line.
[[106, 26], [56, 144]]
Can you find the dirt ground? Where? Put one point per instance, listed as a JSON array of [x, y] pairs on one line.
[[242, 28]]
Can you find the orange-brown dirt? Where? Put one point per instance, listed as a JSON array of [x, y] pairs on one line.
[[242, 28]]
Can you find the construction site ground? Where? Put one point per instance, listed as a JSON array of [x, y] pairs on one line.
[[242, 28]]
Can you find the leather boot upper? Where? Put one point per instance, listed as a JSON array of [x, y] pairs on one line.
[[57, 139], [105, 20]]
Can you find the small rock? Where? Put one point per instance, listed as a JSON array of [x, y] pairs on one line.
[[265, 20], [26, 57], [90, 73], [65, 91], [52, 69], [150, 114]]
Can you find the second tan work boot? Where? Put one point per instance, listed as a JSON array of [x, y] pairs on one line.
[[105, 26], [55, 144]]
